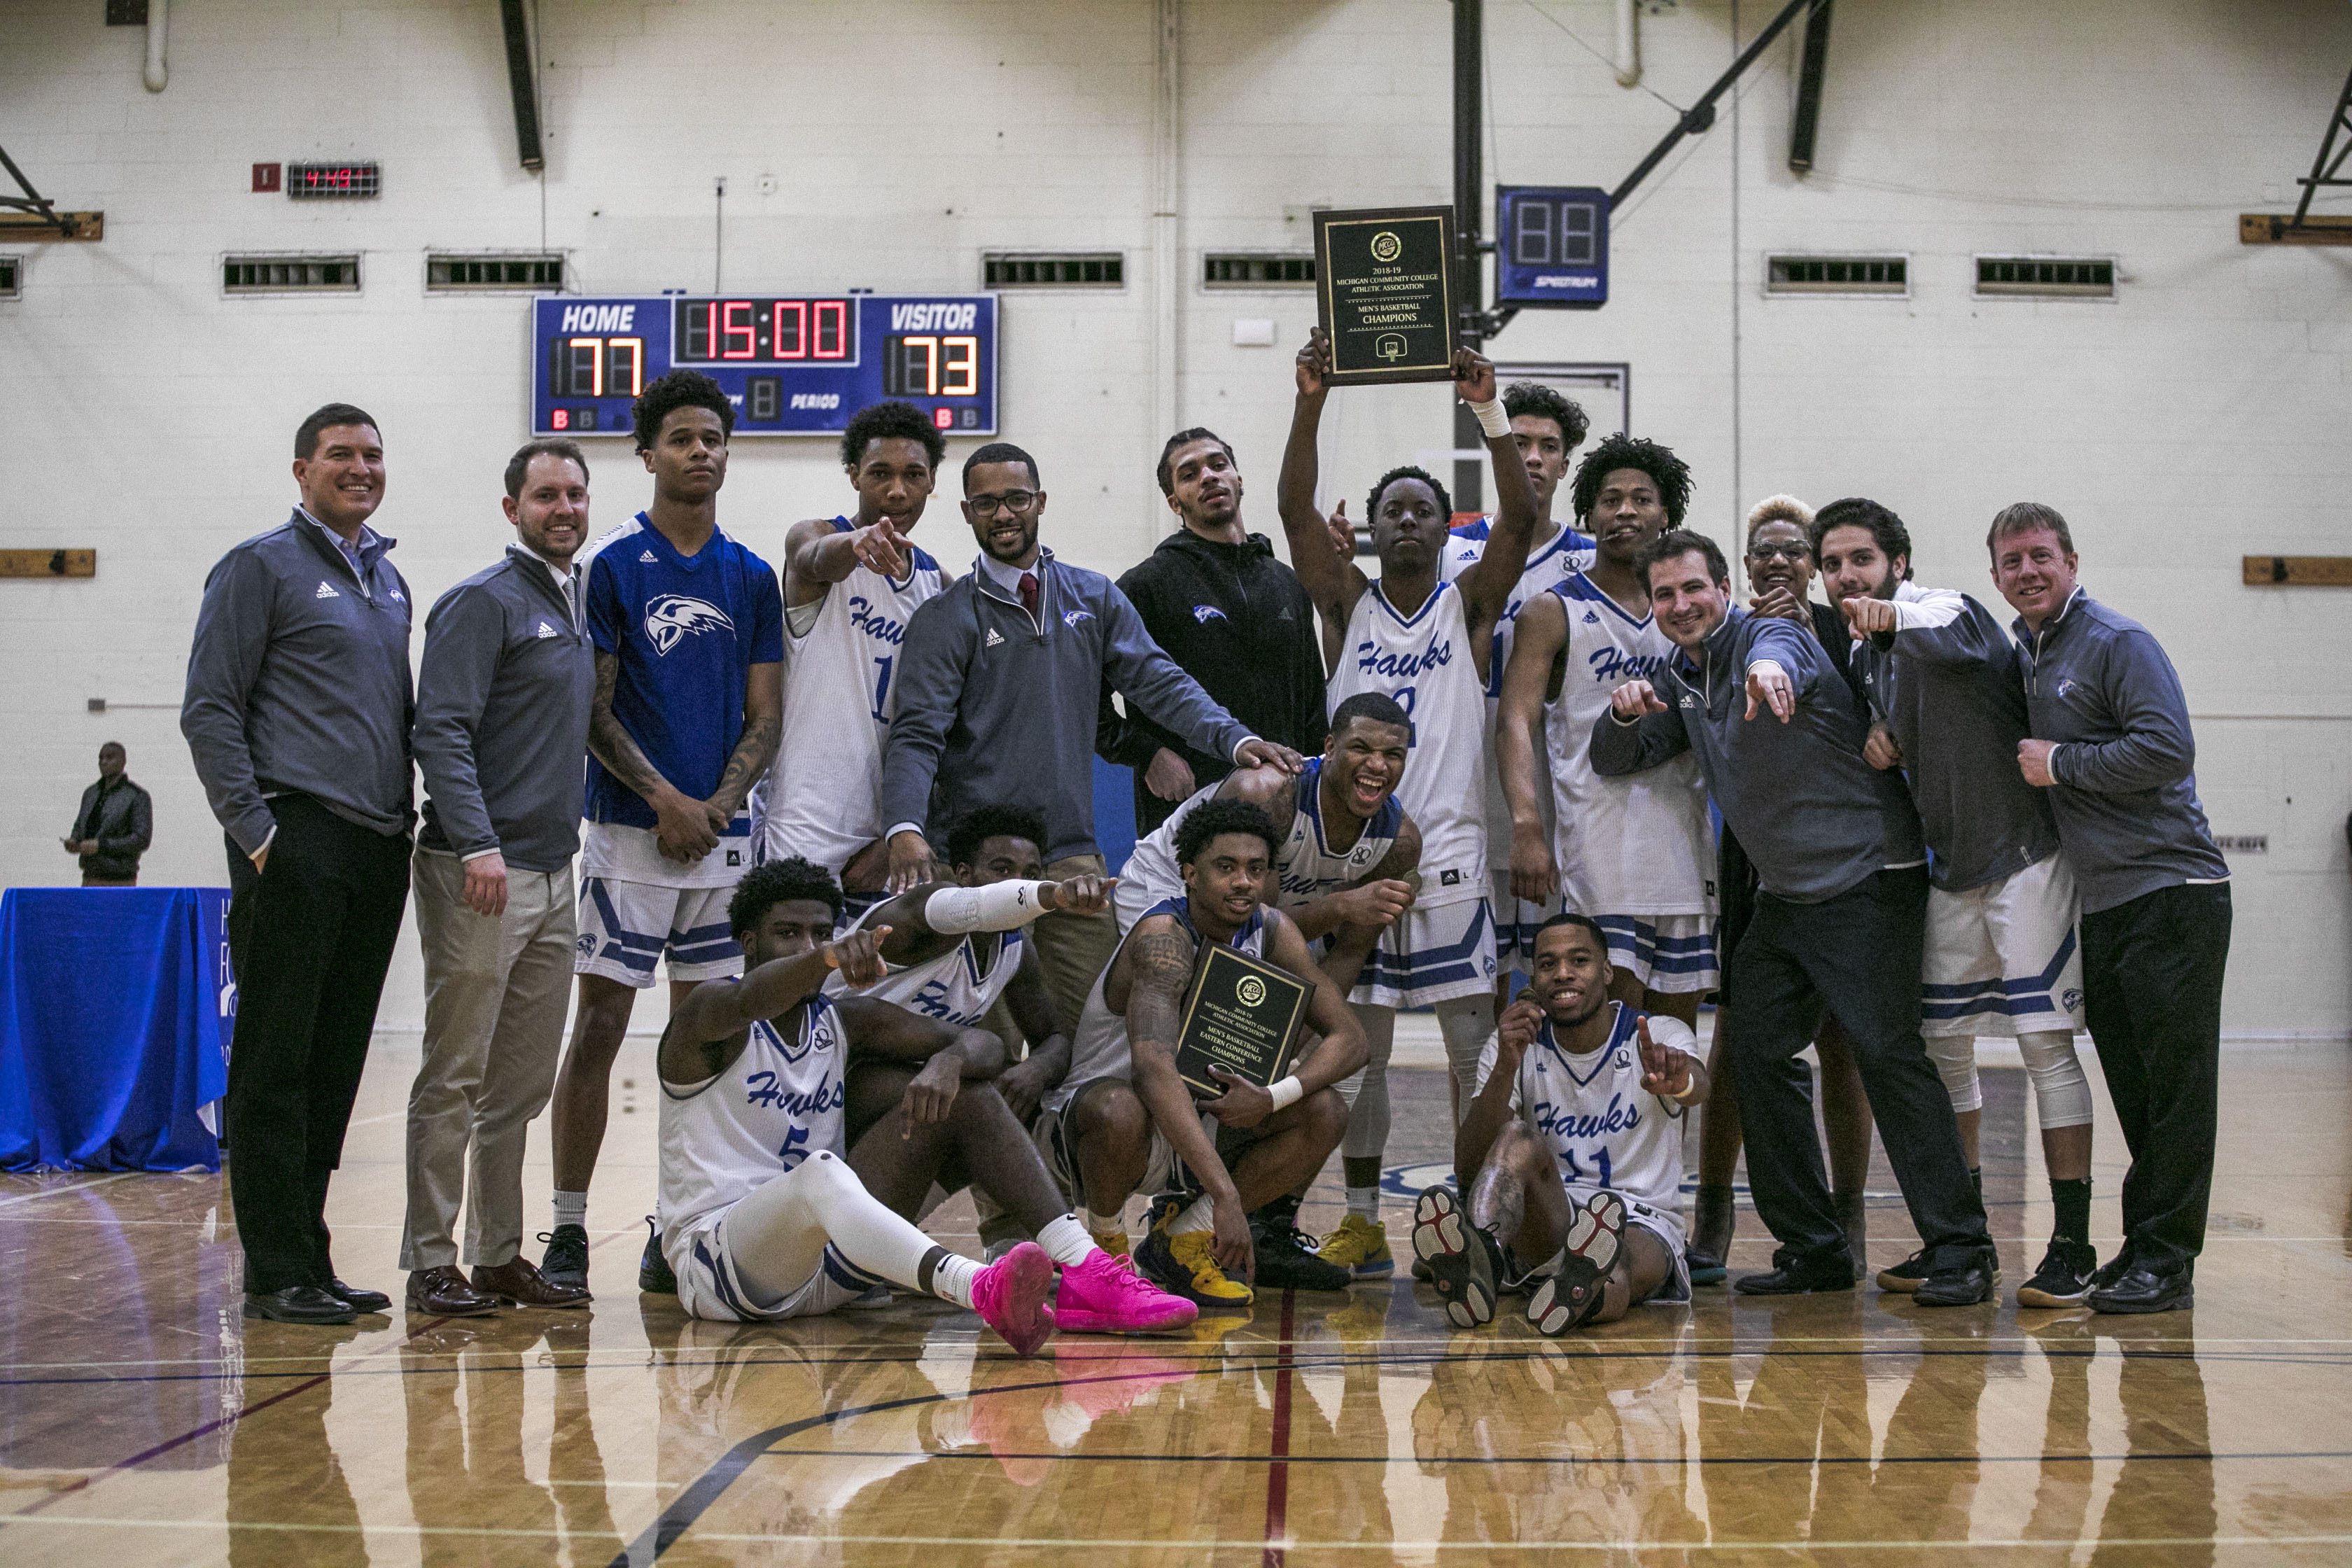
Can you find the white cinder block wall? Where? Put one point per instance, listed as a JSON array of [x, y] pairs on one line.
[[2199, 417]]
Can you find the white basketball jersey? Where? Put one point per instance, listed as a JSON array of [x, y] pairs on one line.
[[824, 795], [1424, 664], [1098, 1048], [1306, 867], [1640, 845], [777, 1104], [958, 988], [1568, 552], [1603, 1126]]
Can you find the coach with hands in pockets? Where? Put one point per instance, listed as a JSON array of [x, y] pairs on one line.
[[297, 714], [502, 701]]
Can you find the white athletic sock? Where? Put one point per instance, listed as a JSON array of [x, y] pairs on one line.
[[570, 1208], [1065, 1241], [1201, 1216], [1365, 1201], [1102, 1223], [952, 1279]]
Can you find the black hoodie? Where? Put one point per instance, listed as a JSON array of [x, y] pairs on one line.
[[1239, 622]]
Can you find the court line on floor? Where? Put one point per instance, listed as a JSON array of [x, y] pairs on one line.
[[1277, 1472], [1400, 1353], [1618, 1461], [1071, 1543], [77, 1187], [85, 1482]]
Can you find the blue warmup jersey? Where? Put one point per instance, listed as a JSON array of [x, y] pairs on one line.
[[687, 631]]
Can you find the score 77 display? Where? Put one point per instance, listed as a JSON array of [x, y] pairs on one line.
[[792, 365]]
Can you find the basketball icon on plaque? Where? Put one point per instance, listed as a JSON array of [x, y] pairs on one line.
[[1384, 292]]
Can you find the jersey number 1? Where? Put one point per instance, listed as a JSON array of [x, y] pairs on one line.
[[882, 692], [1575, 1173]]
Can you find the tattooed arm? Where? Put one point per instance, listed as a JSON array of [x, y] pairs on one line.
[[682, 828], [764, 720]]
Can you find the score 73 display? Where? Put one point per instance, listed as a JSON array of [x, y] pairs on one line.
[[793, 365]]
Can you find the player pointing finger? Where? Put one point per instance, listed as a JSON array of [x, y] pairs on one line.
[[1768, 685]]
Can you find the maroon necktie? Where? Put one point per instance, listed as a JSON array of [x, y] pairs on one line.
[[1029, 593]]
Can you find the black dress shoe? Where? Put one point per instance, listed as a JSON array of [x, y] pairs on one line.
[[1796, 1275], [359, 1300], [298, 1304], [1965, 1286], [2139, 1290]]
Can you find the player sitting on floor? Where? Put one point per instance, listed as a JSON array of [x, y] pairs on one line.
[[1123, 1119], [762, 1217], [954, 949], [1576, 1135]]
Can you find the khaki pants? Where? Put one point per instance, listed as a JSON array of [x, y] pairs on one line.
[[1073, 949], [495, 993]]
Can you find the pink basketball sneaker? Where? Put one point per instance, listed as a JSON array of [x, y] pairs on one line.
[[1104, 1295], [1010, 1297]]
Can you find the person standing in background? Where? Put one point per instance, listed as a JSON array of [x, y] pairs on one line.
[[1214, 596], [112, 828], [2110, 740], [297, 712], [502, 703], [690, 633]]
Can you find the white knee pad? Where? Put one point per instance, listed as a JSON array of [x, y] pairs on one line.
[[1467, 1023], [1955, 1056], [2062, 1094], [1367, 1090]]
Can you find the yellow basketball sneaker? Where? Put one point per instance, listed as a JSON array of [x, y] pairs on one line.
[[1185, 1266], [1111, 1241], [1361, 1246]]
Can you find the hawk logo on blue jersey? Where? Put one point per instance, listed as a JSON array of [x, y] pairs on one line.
[[1205, 613], [674, 616], [1072, 617]]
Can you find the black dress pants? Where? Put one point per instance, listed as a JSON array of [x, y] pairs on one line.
[[311, 936], [1859, 953], [2152, 996]]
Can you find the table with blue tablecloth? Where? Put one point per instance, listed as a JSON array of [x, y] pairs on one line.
[[116, 1008]]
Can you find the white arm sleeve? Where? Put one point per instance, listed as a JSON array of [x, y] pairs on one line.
[[999, 906]]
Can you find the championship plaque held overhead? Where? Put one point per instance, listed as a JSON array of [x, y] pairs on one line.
[[1384, 289], [1240, 1014]]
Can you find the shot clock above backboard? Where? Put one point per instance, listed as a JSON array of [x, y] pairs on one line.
[[793, 364], [1551, 247]]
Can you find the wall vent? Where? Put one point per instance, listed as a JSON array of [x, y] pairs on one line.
[[290, 275], [527, 273], [1053, 269], [1258, 269], [12, 277], [1877, 275], [2046, 277]]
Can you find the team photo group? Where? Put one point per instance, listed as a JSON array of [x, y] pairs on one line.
[[1543, 774]]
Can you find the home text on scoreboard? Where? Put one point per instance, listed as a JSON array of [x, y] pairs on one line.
[[792, 364]]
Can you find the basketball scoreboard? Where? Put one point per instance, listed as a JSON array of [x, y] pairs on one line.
[[792, 365]]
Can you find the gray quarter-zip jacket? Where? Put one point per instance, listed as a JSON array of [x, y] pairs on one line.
[[502, 699], [998, 708], [2125, 800], [1813, 816], [298, 680], [1949, 682]]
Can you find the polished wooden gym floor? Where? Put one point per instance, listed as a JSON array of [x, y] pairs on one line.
[[143, 1421]]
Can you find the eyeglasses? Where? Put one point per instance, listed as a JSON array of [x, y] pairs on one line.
[[1010, 501], [1792, 551]]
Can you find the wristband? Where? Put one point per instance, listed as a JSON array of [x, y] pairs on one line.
[[1286, 1092], [1492, 419]]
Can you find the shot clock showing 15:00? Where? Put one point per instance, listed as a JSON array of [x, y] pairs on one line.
[[792, 364]]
